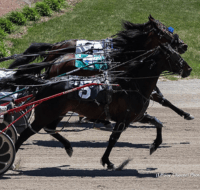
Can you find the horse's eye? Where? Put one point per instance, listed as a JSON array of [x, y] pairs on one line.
[[176, 37]]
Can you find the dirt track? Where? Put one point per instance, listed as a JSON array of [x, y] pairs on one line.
[[43, 164]]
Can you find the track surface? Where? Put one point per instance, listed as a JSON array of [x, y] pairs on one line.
[[43, 164]]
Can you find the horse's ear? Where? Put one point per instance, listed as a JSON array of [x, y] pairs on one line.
[[151, 18]]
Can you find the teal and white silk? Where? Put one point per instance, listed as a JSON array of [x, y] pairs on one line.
[[95, 62]]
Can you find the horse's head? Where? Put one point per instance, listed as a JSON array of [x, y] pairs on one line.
[[174, 62], [159, 33]]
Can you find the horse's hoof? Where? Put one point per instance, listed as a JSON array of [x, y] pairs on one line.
[[84, 120], [13, 167], [69, 151], [111, 166], [189, 117], [152, 149]]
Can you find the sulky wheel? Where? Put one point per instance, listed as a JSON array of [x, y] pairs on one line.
[[11, 131], [22, 123], [7, 153]]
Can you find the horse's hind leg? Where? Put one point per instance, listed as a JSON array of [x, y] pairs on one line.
[[60, 138], [158, 97], [26, 134]]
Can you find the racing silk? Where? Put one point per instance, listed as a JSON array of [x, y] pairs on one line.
[[6, 74], [95, 62], [93, 53]]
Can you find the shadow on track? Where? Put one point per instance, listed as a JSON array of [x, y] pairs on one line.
[[91, 125], [93, 144], [65, 171]]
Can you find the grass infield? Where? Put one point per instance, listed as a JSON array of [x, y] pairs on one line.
[[98, 19]]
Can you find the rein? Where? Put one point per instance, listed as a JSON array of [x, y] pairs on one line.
[[134, 59], [31, 55]]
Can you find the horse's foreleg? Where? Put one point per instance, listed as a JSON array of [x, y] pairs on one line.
[[157, 141], [119, 127], [157, 97], [60, 138]]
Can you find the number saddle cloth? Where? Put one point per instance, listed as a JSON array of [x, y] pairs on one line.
[[97, 93]]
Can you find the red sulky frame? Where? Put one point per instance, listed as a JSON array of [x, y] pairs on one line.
[[38, 102]]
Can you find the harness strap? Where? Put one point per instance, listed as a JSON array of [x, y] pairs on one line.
[[109, 93]]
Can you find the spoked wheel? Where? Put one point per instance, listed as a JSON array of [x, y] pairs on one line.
[[7, 153], [11, 131], [22, 123]]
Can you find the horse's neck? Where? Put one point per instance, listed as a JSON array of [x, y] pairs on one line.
[[146, 86], [148, 80], [130, 49]]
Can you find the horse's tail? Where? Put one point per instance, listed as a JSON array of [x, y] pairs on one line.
[[33, 49], [13, 81], [34, 68]]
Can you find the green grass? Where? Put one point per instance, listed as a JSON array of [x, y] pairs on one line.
[[98, 19]]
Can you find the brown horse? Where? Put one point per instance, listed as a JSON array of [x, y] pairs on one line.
[[129, 43], [133, 40], [129, 103]]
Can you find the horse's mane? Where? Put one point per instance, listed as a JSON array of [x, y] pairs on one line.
[[131, 38], [132, 70]]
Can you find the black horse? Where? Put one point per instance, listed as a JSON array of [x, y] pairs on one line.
[[128, 104]]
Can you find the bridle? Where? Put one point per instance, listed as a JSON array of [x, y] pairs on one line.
[[165, 32], [173, 57]]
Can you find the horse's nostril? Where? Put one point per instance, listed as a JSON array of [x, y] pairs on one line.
[[182, 48], [185, 47]]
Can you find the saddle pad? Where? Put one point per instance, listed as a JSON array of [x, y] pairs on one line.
[[89, 93], [98, 62], [85, 45]]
